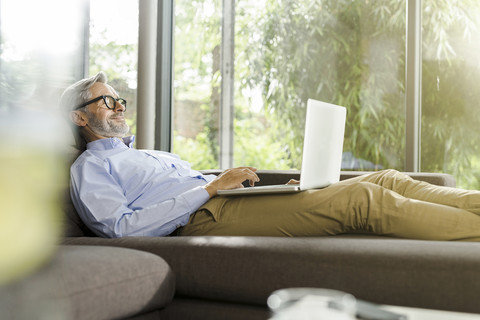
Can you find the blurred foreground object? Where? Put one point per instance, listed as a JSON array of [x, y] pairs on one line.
[[32, 171]]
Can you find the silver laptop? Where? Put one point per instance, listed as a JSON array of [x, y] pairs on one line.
[[322, 151]]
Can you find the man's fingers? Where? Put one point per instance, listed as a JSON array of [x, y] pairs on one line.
[[233, 178], [247, 173], [251, 173]]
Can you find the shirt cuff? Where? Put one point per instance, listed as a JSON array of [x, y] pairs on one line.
[[195, 198]]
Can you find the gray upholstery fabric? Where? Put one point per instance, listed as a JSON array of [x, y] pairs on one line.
[[105, 283], [93, 283], [198, 309], [428, 274], [154, 315], [71, 223]]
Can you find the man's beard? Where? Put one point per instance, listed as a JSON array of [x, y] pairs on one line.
[[107, 128]]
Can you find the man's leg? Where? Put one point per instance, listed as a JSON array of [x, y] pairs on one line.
[[406, 186], [340, 208]]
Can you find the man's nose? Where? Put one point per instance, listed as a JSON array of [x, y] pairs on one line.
[[119, 107]]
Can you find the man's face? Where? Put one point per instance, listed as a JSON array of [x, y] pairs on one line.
[[103, 121]]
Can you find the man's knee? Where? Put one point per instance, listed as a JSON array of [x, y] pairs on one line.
[[390, 172], [391, 179]]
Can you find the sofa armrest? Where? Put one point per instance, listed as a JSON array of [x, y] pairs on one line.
[[269, 177]]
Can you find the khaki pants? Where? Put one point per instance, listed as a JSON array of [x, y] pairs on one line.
[[386, 203]]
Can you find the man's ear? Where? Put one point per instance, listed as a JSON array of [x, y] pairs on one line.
[[79, 118]]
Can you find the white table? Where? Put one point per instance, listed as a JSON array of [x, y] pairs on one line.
[[427, 314]]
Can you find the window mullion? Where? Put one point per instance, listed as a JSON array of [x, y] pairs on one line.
[[83, 71], [163, 101], [226, 106], [147, 40], [413, 85]]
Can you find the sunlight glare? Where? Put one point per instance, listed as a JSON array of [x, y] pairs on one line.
[[29, 25]]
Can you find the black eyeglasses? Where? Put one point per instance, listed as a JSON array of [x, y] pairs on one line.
[[110, 102]]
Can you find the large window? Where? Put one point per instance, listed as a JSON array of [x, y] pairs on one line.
[[351, 53]]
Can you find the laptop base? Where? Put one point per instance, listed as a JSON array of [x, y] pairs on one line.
[[274, 189]]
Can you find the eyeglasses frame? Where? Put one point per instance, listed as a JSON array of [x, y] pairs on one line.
[[104, 97]]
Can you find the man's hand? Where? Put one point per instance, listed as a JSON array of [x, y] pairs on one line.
[[231, 179]]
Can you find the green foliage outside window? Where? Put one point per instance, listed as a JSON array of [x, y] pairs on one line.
[[302, 50], [350, 53]]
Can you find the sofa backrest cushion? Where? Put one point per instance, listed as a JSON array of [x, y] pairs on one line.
[[72, 224]]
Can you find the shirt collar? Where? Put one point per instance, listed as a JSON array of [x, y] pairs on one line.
[[111, 143]]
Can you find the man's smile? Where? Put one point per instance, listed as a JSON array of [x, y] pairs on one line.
[[118, 118]]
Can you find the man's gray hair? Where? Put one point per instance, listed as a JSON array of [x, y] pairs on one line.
[[75, 95], [79, 92]]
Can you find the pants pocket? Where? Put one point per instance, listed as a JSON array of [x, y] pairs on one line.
[[199, 224]]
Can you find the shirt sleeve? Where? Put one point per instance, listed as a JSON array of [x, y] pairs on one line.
[[102, 205]]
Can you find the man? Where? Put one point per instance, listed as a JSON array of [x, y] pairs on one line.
[[120, 191]]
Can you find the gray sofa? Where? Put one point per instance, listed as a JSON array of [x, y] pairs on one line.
[[231, 277]]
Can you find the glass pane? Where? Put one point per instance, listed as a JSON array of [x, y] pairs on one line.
[[350, 53], [114, 48], [450, 78], [197, 81]]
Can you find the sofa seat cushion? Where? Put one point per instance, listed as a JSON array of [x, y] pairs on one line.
[[106, 283], [428, 274], [85, 282]]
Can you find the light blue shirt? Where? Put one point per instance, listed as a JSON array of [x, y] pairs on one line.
[[121, 191]]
